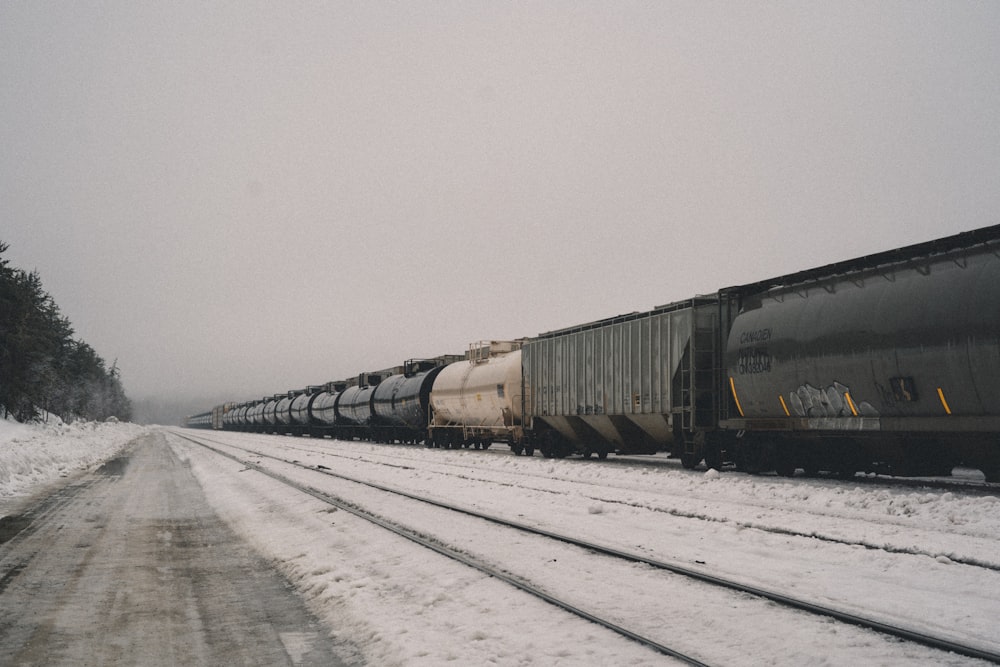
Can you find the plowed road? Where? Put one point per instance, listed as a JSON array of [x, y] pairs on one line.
[[129, 565]]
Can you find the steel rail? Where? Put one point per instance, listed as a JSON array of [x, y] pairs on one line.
[[448, 552], [812, 535], [780, 598]]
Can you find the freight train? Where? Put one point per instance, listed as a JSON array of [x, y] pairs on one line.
[[887, 363]]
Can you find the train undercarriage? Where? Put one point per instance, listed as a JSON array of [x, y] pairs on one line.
[[897, 454]]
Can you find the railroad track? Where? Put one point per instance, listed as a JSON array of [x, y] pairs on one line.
[[444, 550], [970, 486], [940, 643], [812, 534]]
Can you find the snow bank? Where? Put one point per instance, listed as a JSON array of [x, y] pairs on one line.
[[32, 455]]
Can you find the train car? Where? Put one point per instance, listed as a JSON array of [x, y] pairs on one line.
[[354, 408], [269, 419], [283, 413], [200, 420], [234, 417], [218, 413], [632, 384], [299, 414], [242, 418], [255, 416], [323, 409], [889, 362], [886, 363], [477, 401], [214, 419], [401, 402]]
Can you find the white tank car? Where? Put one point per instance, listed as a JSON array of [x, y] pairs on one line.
[[477, 401]]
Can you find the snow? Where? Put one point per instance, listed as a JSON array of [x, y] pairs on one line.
[[33, 455], [899, 554], [403, 606]]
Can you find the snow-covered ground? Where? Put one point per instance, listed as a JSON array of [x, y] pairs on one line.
[[33, 455], [904, 555], [880, 552]]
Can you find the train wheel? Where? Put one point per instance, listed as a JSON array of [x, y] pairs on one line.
[[785, 459], [848, 461], [602, 455], [710, 447], [753, 456], [693, 450], [785, 468], [549, 444], [713, 456], [691, 454], [846, 468]]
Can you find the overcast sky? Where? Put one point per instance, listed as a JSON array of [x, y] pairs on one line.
[[239, 198]]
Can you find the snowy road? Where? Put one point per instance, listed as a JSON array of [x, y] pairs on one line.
[[128, 565]]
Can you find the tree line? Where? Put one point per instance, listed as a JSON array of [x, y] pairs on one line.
[[43, 368]]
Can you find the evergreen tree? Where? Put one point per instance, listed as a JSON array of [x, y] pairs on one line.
[[41, 365]]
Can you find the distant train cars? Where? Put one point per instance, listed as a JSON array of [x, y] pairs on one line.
[[889, 363]]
